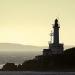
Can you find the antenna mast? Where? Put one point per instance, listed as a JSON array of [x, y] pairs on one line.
[[51, 34]]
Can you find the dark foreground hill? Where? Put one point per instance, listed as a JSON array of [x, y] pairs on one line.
[[63, 62]]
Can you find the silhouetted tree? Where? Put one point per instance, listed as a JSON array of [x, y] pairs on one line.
[[9, 67]]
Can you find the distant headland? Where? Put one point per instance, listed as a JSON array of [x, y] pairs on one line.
[[55, 58]]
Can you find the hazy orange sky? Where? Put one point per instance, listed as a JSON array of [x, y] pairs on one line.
[[29, 22]]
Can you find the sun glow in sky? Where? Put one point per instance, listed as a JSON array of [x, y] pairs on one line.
[[29, 22]]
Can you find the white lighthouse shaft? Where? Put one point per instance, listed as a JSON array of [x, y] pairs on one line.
[[56, 32]]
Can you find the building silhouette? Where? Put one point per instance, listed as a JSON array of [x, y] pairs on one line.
[[55, 47]]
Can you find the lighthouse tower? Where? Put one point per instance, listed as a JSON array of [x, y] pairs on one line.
[[56, 32], [54, 47]]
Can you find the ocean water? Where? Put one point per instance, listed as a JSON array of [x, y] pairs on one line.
[[36, 73]]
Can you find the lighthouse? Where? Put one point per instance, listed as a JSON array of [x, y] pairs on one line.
[[55, 47]]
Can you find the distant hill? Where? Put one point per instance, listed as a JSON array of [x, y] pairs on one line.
[[17, 53], [11, 47], [18, 47]]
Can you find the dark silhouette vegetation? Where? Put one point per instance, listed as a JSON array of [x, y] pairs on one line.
[[9, 67], [61, 62]]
